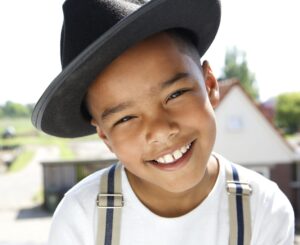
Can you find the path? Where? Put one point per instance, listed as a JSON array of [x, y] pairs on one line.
[[22, 221]]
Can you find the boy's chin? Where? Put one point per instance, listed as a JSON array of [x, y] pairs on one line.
[[182, 186]]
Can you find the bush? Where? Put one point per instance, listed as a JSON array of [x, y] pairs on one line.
[[288, 112]]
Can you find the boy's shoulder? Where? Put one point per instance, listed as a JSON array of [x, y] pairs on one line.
[[260, 184], [76, 212], [266, 195], [255, 179]]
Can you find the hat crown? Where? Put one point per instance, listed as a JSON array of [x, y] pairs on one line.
[[86, 20]]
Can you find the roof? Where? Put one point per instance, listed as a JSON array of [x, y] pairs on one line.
[[225, 87]]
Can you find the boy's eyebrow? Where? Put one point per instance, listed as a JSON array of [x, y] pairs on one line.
[[175, 79], [109, 111]]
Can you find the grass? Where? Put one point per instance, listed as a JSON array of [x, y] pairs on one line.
[[292, 136], [22, 161], [26, 135], [26, 156], [40, 139], [65, 152], [21, 125]]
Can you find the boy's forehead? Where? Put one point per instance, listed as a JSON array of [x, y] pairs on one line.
[[141, 70], [158, 47], [153, 44]]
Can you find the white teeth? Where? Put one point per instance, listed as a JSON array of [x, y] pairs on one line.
[[169, 158], [177, 154], [184, 149], [160, 160]]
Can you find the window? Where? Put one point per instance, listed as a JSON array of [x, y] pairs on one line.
[[234, 124]]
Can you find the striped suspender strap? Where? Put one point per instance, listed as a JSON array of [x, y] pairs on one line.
[[110, 203], [239, 192]]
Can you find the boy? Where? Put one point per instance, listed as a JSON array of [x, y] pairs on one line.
[[144, 91]]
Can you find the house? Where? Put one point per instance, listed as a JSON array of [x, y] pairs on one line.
[[248, 137]]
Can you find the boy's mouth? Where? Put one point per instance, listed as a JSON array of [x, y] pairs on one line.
[[173, 157]]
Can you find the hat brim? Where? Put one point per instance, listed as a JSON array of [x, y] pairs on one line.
[[59, 110]]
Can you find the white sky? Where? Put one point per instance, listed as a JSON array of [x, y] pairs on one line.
[[265, 29]]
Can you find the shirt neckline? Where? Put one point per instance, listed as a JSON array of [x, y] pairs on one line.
[[132, 201]]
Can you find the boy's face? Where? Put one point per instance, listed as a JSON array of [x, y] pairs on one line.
[[153, 103]]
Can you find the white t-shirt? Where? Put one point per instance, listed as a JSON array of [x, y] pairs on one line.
[[75, 219]]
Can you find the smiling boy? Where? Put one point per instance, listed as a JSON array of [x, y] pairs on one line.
[[165, 113], [152, 104]]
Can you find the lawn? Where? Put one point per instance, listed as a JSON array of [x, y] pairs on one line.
[[27, 135], [21, 162], [21, 125]]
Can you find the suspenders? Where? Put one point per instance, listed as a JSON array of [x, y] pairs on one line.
[[239, 192], [110, 203]]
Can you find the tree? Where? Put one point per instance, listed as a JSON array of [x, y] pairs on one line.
[[236, 66], [11, 109], [287, 113]]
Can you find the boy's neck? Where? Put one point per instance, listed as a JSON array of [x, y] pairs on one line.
[[169, 204]]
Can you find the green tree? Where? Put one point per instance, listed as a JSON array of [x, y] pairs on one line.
[[11, 109], [287, 113], [236, 66]]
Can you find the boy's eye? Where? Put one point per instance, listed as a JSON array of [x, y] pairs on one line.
[[177, 94], [123, 120]]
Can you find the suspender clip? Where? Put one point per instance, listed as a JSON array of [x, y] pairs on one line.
[[239, 188], [110, 200]]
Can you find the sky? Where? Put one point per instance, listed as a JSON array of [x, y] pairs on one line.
[[266, 30]]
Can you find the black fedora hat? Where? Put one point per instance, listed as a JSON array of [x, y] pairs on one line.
[[94, 33]]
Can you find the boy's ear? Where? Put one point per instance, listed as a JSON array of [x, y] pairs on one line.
[[101, 134], [211, 84]]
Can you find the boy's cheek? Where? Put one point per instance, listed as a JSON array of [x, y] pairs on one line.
[[127, 146]]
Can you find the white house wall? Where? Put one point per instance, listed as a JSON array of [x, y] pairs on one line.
[[245, 136]]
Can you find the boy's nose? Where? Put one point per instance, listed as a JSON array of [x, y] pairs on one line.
[[161, 129]]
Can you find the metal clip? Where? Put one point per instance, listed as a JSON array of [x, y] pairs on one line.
[[232, 188], [102, 200]]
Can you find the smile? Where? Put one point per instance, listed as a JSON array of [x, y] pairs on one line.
[[174, 156]]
